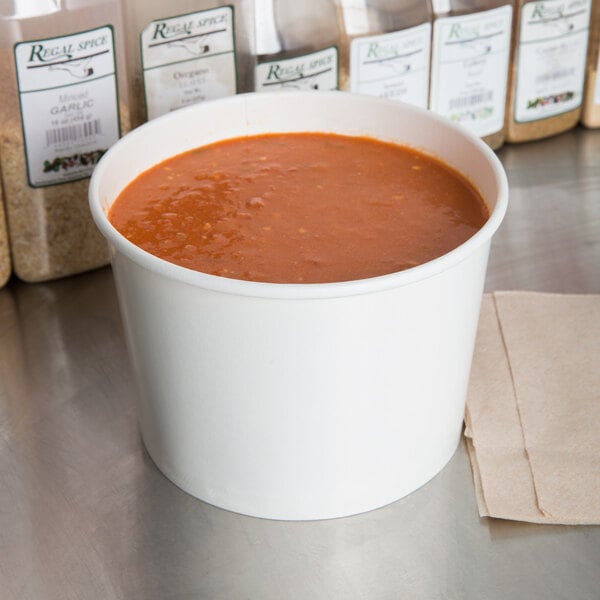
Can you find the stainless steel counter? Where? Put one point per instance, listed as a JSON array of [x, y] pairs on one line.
[[84, 514]]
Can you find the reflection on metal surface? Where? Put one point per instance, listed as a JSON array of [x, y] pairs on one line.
[[14, 386], [84, 514], [550, 240]]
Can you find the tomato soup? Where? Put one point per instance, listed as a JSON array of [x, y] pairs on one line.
[[299, 208]]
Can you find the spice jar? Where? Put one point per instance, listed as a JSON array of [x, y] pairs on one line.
[[590, 115], [187, 51], [385, 48], [296, 45], [469, 64], [63, 102], [548, 68]]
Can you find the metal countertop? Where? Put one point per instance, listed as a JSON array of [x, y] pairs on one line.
[[84, 513]]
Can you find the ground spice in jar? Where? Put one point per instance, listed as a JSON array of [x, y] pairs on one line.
[[52, 233], [548, 68], [62, 104], [469, 64], [590, 115]]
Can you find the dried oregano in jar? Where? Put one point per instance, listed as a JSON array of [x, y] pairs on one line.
[[186, 51], [62, 95]]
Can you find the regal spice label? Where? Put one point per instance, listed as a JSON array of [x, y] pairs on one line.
[[553, 40], [393, 65], [69, 106], [188, 59], [469, 70], [313, 71]]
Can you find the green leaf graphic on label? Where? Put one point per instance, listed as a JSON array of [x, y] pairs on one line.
[[485, 112], [84, 159], [551, 99]]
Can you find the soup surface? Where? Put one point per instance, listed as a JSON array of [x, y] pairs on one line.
[[299, 208]]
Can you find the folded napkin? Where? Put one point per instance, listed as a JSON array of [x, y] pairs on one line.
[[533, 408]]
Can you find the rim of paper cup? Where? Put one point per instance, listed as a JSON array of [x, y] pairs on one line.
[[301, 290]]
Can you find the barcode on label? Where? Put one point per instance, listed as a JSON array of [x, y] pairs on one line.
[[473, 100], [554, 75], [73, 133]]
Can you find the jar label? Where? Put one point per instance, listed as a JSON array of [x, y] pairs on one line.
[[393, 65], [188, 59], [314, 71], [553, 41], [69, 105], [469, 70]]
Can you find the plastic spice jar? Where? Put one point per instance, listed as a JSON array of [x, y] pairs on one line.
[[590, 115], [297, 45], [385, 48], [548, 68], [469, 64], [62, 104], [187, 51]]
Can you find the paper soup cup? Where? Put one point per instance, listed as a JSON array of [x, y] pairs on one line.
[[300, 401]]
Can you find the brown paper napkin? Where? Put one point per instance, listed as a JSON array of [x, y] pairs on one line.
[[533, 408]]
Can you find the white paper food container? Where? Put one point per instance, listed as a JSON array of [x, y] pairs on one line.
[[300, 401]]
